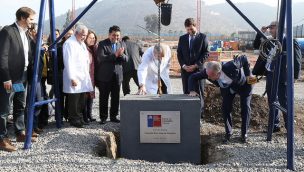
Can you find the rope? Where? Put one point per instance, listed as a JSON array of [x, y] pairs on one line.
[[159, 60], [278, 12]]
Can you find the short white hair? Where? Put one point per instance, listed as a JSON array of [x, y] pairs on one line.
[[214, 66], [80, 27], [160, 49]]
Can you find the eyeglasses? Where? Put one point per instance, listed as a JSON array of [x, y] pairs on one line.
[[272, 26]]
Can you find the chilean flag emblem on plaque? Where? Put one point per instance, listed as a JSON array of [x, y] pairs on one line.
[[154, 121]]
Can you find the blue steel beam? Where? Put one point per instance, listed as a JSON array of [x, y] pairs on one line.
[[246, 19], [32, 94], [54, 57], [73, 23], [290, 87], [276, 71], [286, 7], [44, 102], [52, 48]]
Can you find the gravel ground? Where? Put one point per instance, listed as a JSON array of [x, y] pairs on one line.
[[71, 149]]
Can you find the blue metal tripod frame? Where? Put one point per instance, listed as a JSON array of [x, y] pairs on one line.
[[285, 15]]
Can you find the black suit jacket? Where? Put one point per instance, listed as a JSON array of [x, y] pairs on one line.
[[200, 50], [106, 64], [232, 69], [12, 60], [134, 56]]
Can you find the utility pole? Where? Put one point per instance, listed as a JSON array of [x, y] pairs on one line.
[[198, 14], [73, 16]]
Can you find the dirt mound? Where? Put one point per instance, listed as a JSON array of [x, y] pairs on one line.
[[213, 112]]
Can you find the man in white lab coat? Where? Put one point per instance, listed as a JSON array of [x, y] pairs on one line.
[[148, 70], [76, 77]]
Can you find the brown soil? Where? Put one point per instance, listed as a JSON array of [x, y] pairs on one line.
[[259, 110]]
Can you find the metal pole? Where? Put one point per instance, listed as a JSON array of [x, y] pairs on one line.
[[159, 60], [55, 67], [32, 94], [276, 72], [302, 30], [290, 87], [247, 20], [73, 23]]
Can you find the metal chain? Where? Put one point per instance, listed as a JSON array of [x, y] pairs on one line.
[[159, 24], [159, 60]]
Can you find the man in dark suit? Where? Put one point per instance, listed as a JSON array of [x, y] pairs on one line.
[[15, 54], [191, 52], [233, 78], [130, 67], [109, 75]]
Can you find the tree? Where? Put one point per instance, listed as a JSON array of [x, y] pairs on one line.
[[151, 22], [67, 19]]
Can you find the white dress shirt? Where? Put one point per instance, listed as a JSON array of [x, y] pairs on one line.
[[224, 81], [25, 44]]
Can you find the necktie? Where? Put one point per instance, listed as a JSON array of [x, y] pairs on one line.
[[114, 48], [191, 42], [191, 45]]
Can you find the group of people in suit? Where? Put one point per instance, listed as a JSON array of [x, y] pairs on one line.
[[84, 64]]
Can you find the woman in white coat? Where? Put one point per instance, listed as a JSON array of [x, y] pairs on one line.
[[148, 70]]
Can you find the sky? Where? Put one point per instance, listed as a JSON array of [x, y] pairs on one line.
[[273, 3], [9, 7]]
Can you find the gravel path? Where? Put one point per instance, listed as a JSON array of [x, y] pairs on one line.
[[71, 149]]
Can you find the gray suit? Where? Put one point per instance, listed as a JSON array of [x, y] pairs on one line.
[[12, 64], [130, 67]]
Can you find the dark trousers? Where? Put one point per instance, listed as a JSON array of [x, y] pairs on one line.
[[199, 88], [245, 93], [282, 96], [185, 77], [63, 97], [164, 88], [105, 88], [38, 97], [126, 81], [18, 100], [44, 113], [87, 112], [75, 107]]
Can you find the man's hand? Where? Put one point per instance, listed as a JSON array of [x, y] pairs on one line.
[[187, 68], [264, 29], [7, 85], [190, 68], [193, 94], [142, 90], [119, 52], [251, 80], [45, 47], [193, 67], [74, 83]]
